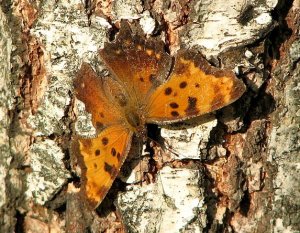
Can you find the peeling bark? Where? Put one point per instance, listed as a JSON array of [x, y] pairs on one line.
[[236, 170]]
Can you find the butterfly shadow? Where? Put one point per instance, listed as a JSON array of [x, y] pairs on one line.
[[131, 173]]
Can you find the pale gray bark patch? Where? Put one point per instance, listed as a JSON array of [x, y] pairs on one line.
[[174, 204], [215, 26], [83, 124], [147, 23], [67, 41], [126, 9], [284, 145], [6, 104], [48, 171], [6, 99], [48, 118], [188, 139]]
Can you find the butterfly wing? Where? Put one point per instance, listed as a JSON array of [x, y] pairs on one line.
[[139, 64], [193, 88], [100, 160], [89, 88]]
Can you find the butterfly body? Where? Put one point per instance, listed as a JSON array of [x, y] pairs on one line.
[[146, 86], [138, 127], [130, 110]]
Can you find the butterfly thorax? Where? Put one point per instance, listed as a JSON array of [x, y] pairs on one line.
[[136, 122], [127, 104]]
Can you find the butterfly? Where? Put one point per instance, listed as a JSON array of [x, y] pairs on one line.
[[146, 85]]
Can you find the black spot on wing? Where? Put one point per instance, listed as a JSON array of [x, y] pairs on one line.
[[104, 141], [110, 169], [192, 106], [97, 152], [168, 91], [183, 84], [113, 152], [174, 113], [174, 105]]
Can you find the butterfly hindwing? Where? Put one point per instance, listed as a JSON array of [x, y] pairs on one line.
[[193, 88], [100, 160]]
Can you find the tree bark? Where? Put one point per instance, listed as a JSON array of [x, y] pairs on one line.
[[230, 171]]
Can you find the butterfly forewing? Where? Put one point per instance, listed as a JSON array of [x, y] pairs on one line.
[[194, 88], [138, 64], [101, 159], [89, 89]]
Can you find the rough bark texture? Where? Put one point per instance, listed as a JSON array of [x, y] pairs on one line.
[[233, 171]]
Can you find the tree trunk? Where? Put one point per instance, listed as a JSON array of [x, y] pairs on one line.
[[231, 171]]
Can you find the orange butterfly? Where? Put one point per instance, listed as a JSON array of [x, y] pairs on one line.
[[147, 86]]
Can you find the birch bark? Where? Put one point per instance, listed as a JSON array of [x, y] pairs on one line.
[[237, 170]]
